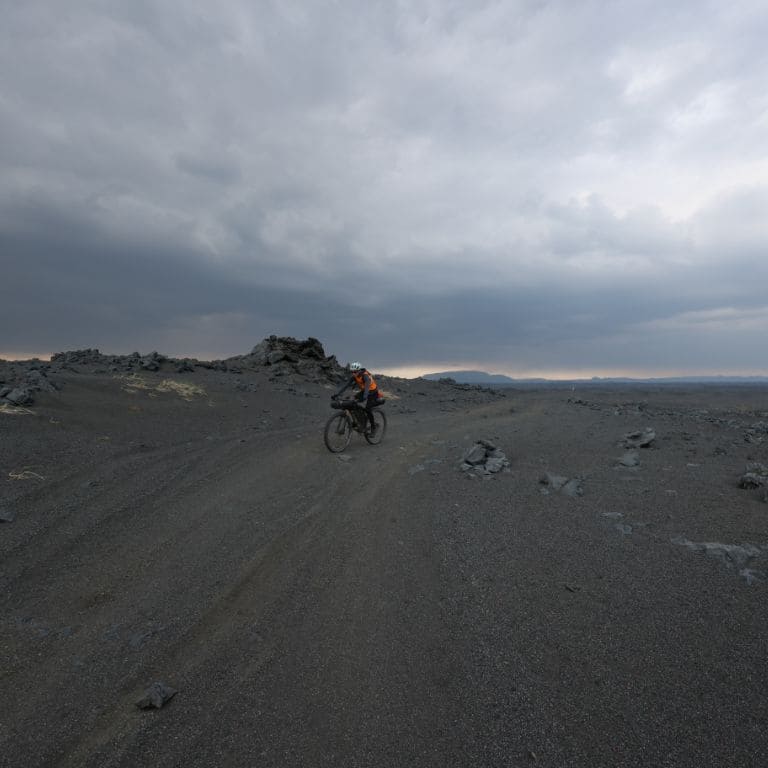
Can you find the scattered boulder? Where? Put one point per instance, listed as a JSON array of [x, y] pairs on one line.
[[737, 556], [630, 459], [152, 361], [639, 439], [38, 381], [19, 396], [156, 696], [475, 455], [495, 464], [755, 476], [757, 432], [569, 486], [555, 482], [573, 487], [185, 366]]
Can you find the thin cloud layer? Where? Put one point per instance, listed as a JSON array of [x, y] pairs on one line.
[[528, 187]]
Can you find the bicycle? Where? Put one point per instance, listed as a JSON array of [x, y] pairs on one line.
[[352, 417]]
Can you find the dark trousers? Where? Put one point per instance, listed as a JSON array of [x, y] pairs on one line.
[[369, 403]]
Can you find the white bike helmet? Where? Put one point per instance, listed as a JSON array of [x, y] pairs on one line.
[[355, 366]]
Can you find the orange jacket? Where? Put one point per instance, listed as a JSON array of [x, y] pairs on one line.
[[360, 381]]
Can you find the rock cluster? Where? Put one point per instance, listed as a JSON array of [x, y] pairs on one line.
[[287, 356], [132, 363], [484, 458]]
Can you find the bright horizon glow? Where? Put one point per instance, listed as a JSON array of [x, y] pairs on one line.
[[416, 371]]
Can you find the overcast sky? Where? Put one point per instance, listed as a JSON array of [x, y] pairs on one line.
[[574, 187]]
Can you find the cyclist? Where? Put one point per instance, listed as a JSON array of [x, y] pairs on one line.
[[368, 396]]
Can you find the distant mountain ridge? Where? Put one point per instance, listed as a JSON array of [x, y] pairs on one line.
[[471, 377], [498, 379]]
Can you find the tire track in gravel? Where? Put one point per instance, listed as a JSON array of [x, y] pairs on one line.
[[295, 555]]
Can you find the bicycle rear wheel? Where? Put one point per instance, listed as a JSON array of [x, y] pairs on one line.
[[380, 420], [337, 433]]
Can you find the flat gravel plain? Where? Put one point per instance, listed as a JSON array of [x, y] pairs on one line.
[[385, 608]]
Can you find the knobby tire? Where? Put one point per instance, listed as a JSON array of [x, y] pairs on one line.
[[337, 433]]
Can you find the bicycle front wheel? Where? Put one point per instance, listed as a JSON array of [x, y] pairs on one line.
[[380, 420], [338, 432]]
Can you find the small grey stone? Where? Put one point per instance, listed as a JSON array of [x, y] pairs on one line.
[[554, 481], [156, 696], [573, 487], [630, 459], [738, 555], [494, 465], [7, 515], [755, 475], [639, 439], [752, 480]]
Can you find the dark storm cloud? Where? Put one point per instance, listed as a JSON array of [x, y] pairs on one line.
[[521, 185]]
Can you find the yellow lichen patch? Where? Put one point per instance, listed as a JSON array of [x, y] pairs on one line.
[[132, 383], [186, 391], [13, 410], [25, 474]]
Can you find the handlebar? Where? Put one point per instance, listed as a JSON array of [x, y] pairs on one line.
[[343, 404]]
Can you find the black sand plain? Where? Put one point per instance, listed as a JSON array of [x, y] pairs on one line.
[[385, 608]]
